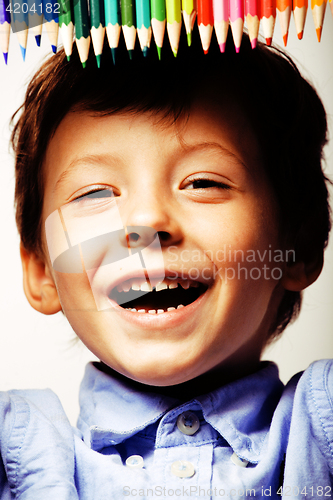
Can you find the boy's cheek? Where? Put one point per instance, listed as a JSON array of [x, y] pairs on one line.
[[74, 292]]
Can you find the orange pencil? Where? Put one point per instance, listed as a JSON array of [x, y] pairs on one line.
[[300, 8], [268, 16], [318, 12], [331, 5], [252, 17], [205, 23], [283, 8]]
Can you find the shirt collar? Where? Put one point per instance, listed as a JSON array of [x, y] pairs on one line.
[[112, 409]]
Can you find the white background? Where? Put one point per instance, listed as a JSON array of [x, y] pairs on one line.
[[39, 351]]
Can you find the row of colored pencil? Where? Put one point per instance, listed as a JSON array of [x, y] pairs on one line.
[[90, 19]]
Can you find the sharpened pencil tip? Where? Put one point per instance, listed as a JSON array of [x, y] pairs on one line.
[[5, 56], [300, 35], [318, 31], [68, 57], [98, 60], [114, 53], [145, 51], [130, 54], [269, 41], [84, 64], [175, 53], [205, 51], [54, 49], [189, 39], [159, 52], [23, 52], [285, 39], [222, 47], [237, 49], [38, 39], [254, 43]]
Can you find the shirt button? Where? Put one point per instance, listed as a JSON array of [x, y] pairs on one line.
[[188, 423], [134, 462], [182, 468], [238, 461]]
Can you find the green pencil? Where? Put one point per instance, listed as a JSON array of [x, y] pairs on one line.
[[174, 23], [142, 8], [128, 24], [158, 18], [112, 23], [82, 29], [97, 27], [66, 26]]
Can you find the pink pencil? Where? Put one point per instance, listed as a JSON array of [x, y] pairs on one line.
[[221, 21], [236, 9], [252, 19]]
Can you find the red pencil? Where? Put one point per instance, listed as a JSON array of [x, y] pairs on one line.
[[252, 19], [283, 8], [268, 16], [205, 22]]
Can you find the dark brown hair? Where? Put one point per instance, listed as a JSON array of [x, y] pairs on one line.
[[283, 109]]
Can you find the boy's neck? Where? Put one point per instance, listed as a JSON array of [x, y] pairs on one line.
[[205, 383]]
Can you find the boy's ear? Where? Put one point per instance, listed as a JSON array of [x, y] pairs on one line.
[[38, 284], [299, 275]]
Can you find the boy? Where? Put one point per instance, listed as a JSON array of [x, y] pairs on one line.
[[174, 216]]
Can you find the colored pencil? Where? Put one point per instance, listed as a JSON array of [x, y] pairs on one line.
[[158, 20], [236, 12], [51, 11], [20, 27], [35, 19], [252, 17], [66, 26], [97, 27], [143, 24], [174, 23], [128, 24], [221, 21], [283, 8], [318, 12], [189, 15], [300, 8], [82, 36], [4, 27], [331, 5], [113, 24], [205, 23], [268, 16]]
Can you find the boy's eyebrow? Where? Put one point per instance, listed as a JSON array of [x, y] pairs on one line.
[[84, 161], [188, 148]]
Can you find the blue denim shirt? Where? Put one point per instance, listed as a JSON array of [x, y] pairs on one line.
[[253, 438]]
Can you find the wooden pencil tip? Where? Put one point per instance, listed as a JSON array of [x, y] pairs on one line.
[[254, 43], [189, 39], [145, 51], [5, 56], [285, 39], [205, 51], [130, 54], [300, 35], [175, 53], [237, 49], [318, 31], [222, 47], [38, 38], [54, 49], [84, 64], [98, 60], [269, 41], [68, 57], [159, 52]]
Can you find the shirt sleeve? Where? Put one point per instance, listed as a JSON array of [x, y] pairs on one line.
[[37, 447]]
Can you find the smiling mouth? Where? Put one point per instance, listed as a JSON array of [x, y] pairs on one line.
[[168, 295]]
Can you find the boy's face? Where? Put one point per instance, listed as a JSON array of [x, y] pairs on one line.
[[201, 186]]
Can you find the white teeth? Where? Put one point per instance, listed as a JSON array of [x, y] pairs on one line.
[[171, 308], [159, 311], [185, 284], [173, 285], [135, 287], [124, 287], [146, 287], [142, 311], [161, 286], [180, 306], [152, 311]]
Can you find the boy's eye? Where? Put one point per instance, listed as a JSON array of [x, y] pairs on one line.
[[95, 194], [206, 183]]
